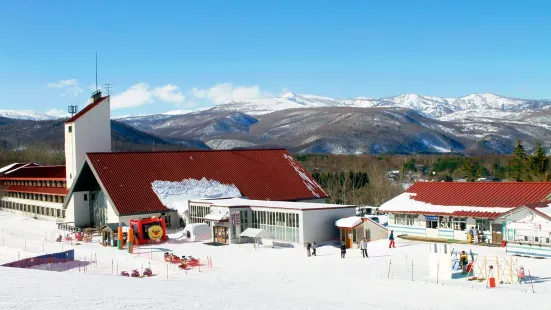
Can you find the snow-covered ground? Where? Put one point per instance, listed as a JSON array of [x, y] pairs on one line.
[[243, 277]]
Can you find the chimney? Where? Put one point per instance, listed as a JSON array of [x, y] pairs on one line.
[[96, 96]]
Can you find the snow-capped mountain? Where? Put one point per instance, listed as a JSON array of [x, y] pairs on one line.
[[434, 107], [26, 115]]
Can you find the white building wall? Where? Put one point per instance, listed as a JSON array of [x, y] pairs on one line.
[[80, 209], [89, 133], [319, 225], [38, 203]]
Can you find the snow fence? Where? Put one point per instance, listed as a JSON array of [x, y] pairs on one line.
[[53, 258]]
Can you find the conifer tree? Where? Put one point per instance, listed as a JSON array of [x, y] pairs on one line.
[[518, 163], [538, 164]]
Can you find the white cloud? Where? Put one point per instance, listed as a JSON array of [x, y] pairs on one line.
[[136, 95], [72, 91], [70, 87], [169, 93], [226, 92], [141, 93], [63, 83], [57, 113]]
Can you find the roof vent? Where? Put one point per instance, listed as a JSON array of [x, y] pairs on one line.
[[96, 96]]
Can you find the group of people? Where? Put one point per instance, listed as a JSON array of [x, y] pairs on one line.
[[311, 248], [474, 235]]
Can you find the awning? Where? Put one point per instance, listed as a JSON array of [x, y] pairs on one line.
[[254, 233], [216, 217]]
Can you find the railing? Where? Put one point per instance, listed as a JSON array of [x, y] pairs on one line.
[[68, 227]]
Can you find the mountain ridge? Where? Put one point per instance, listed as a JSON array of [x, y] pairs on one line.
[[431, 106]]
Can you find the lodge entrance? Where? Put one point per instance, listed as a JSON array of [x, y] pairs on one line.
[[497, 235], [221, 234]]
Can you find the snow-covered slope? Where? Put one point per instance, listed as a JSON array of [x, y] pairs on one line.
[[435, 107], [26, 115]]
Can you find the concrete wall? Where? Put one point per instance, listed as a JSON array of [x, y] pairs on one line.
[[90, 133], [81, 209], [319, 225]]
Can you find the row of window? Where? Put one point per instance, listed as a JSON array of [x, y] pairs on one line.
[[280, 225], [38, 197], [532, 239], [197, 214], [275, 219], [444, 222], [38, 210], [42, 183]]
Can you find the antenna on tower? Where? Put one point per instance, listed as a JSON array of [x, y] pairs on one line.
[[97, 71], [108, 87]]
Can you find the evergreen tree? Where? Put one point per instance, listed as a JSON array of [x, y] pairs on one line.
[[538, 164], [517, 164], [468, 168]]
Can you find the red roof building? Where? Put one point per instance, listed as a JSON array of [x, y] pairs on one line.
[[446, 207], [126, 178], [35, 173], [34, 189]]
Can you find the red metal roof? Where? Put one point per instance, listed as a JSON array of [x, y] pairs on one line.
[[14, 166], [258, 174], [85, 110], [480, 214], [481, 194], [59, 191], [51, 173]]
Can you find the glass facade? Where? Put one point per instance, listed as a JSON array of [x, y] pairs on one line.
[[281, 226], [197, 214]]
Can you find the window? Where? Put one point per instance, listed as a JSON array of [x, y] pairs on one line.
[[69, 129], [85, 197], [432, 222], [460, 223], [280, 225], [197, 213], [483, 224], [405, 219], [445, 222]]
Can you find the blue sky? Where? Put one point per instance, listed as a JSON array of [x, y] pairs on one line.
[[169, 55]]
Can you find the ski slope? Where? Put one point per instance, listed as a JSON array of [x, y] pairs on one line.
[[243, 277]]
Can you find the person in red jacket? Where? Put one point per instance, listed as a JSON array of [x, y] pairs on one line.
[[391, 238]]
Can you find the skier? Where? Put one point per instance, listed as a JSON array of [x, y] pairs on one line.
[[343, 250], [308, 246], [363, 248], [391, 238], [521, 275], [314, 246]]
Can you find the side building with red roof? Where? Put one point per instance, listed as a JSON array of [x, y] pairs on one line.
[[451, 210], [34, 190]]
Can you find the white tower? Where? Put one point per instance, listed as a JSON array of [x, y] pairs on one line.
[[87, 131]]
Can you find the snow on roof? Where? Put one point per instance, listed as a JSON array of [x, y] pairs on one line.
[[217, 216], [8, 167], [349, 222], [175, 195], [242, 202], [312, 185], [406, 203]]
